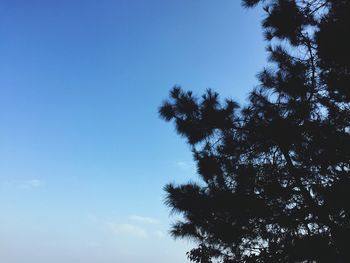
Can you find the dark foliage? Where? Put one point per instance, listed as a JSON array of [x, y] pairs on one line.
[[276, 172]]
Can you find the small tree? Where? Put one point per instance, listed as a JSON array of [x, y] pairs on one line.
[[276, 173]]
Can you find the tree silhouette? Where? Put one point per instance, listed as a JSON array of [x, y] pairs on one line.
[[276, 172]]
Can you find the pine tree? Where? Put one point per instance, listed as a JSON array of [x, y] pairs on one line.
[[275, 172]]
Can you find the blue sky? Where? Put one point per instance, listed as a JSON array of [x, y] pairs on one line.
[[83, 153]]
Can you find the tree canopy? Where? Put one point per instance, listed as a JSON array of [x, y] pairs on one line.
[[275, 173]]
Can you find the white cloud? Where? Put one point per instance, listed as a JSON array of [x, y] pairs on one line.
[[93, 244], [159, 234], [143, 219], [22, 184], [182, 165], [127, 230], [30, 184], [92, 218]]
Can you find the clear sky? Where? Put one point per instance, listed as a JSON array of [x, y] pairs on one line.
[[83, 153]]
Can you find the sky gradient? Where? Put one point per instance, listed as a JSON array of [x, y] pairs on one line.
[[83, 153]]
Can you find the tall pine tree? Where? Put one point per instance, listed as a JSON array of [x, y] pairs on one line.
[[276, 172]]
